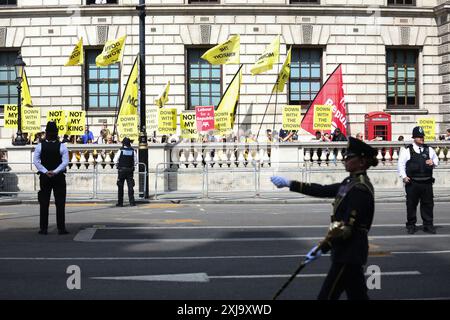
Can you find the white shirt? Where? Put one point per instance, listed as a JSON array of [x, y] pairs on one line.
[[117, 156], [405, 156], [63, 151]]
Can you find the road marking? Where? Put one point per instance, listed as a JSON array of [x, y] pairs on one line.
[[184, 277], [161, 206], [285, 256], [6, 214], [204, 277], [254, 227], [260, 239], [420, 252], [85, 234]]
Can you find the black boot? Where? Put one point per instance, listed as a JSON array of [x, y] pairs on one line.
[[44, 232], [429, 229], [411, 229]]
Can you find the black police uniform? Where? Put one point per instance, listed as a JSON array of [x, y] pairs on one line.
[[353, 211], [420, 188], [125, 168], [51, 158]]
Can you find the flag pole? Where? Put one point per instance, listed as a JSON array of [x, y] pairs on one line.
[[276, 99], [267, 105]]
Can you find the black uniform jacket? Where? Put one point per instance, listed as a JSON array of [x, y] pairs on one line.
[[354, 207]]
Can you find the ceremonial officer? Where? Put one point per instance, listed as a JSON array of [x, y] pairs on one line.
[[353, 210], [51, 158], [125, 161], [415, 167]]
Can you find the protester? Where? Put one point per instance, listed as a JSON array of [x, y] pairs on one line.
[[88, 136]]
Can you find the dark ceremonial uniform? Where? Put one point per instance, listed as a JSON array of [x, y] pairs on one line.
[[125, 166], [353, 210]]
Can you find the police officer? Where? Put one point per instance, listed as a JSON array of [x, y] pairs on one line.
[[353, 210], [51, 158], [415, 167], [125, 161]]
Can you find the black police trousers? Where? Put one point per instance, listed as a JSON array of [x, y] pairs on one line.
[[125, 175], [56, 183], [344, 277], [422, 192]]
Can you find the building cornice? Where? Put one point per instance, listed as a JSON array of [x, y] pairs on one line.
[[177, 10]]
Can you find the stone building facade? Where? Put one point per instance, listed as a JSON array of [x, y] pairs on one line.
[[394, 53]]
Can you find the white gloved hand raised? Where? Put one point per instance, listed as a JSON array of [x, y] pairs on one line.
[[280, 182]]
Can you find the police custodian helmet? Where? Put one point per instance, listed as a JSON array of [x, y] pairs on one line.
[[418, 132]]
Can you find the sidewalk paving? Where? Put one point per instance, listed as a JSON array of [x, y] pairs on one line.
[[278, 197]]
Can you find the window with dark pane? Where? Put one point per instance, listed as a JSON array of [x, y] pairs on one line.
[[402, 2], [402, 84], [305, 78], [101, 83], [88, 2], [204, 80], [304, 1], [8, 2], [8, 83]]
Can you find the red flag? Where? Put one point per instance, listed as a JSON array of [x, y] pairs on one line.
[[331, 94]]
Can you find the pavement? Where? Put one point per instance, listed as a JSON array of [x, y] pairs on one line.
[[283, 196], [179, 251]]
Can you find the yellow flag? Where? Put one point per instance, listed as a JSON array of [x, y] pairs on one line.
[[283, 76], [224, 115], [26, 97], [268, 58], [162, 100], [112, 52], [129, 102], [77, 56], [224, 53]]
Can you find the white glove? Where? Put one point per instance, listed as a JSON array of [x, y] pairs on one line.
[[280, 182], [311, 256]]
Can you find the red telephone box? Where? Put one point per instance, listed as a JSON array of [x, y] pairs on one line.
[[378, 124]]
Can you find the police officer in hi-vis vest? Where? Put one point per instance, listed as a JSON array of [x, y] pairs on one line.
[[353, 210], [125, 161], [51, 158], [415, 167]]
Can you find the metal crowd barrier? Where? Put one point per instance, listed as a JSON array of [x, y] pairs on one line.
[[84, 183]]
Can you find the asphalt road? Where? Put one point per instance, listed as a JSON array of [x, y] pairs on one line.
[[175, 251]]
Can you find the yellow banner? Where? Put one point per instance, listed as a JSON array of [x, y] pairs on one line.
[[26, 96], [129, 102], [112, 52], [162, 100], [76, 122], [31, 119], [322, 117], [127, 126], [269, 57], [292, 117], [224, 53], [188, 125], [224, 115], [429, 127], [10, 116], [223, 122], [284, 74], [167, 121], [151, 118], [77, 55], [59, 117]]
